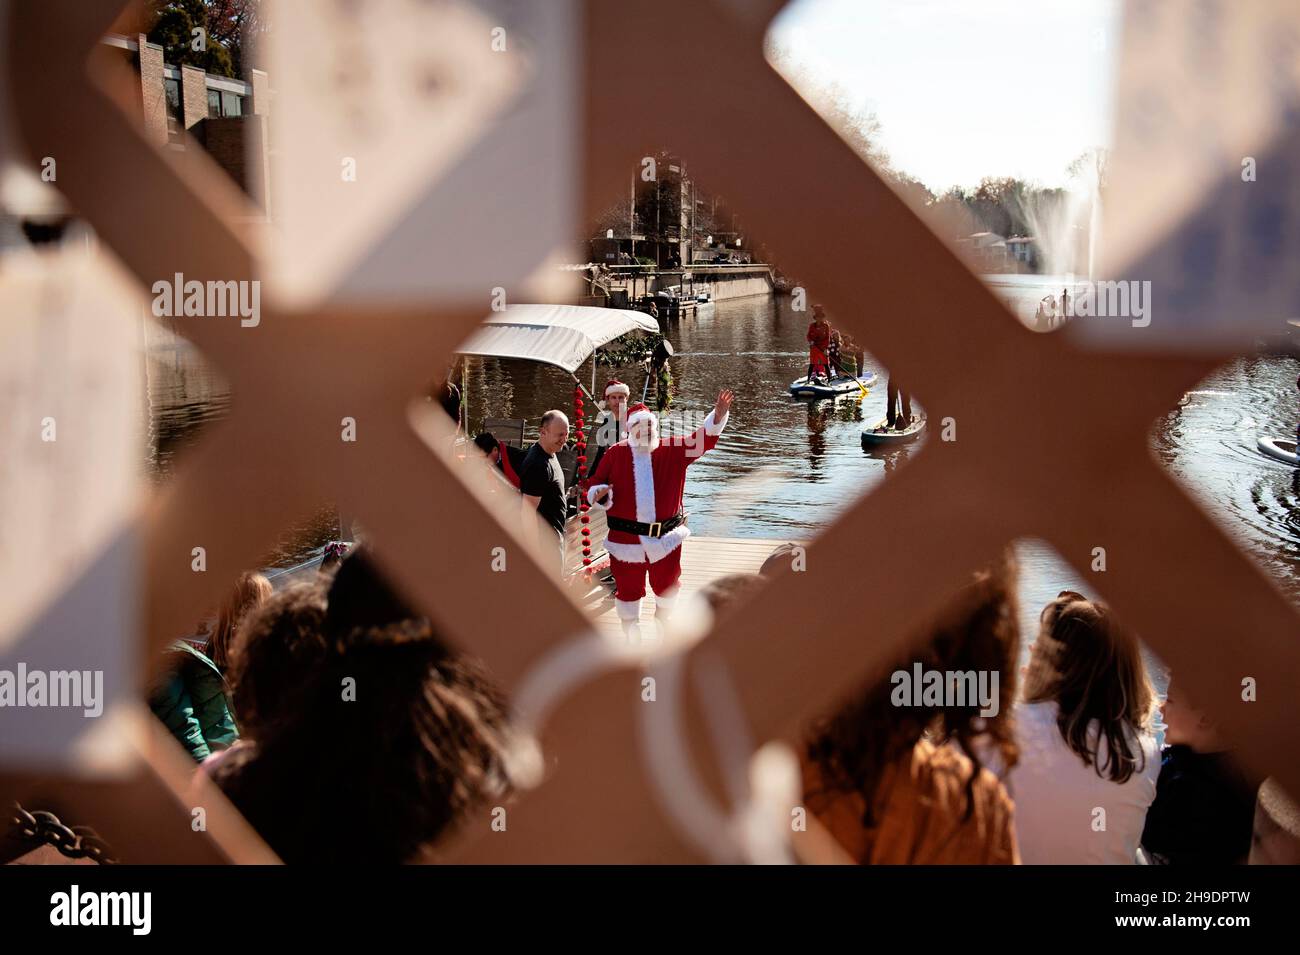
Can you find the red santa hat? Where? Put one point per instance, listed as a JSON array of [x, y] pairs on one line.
[[616, 387], [639, 412]]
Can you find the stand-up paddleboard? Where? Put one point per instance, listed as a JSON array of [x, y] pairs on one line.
[[1279, 449], [883, 434], [832, 387]]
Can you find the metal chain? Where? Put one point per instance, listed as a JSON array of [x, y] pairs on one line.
[[75, 842]]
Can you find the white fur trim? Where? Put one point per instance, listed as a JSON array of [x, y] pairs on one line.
[[628, 553], [628, 610], [643, 415], [712, 427], [595, 490], [657, 548], [650, 549], [643, 481], [620, 389]]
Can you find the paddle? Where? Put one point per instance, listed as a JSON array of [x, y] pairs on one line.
[[840, 368]]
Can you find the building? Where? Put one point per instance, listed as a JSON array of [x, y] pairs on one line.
[[984, 249], [1023, 249], [177, 107], [226, 117], [669, 220]]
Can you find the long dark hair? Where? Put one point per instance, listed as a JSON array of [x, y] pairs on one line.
[[854, 745], [1092, 669], [369, 734], [390, 742], [250, 591]]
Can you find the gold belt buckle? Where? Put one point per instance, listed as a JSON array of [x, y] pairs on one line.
[[656, 529]]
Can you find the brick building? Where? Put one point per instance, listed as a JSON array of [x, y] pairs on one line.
[[226, 117]]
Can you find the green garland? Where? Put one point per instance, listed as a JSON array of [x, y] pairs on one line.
[[631, 349], [663, 389]]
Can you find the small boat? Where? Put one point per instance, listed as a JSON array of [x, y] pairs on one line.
[[883, 434], [566, 337], [831, 387], [703, 298], [1279, 449]]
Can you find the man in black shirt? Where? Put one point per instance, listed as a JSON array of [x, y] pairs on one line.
[[541, 481]]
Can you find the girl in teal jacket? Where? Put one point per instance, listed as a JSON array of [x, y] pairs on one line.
[[193, 702]]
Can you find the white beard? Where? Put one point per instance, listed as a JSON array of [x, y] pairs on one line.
[[641, 444]]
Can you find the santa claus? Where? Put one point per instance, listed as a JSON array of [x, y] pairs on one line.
[[639, 484]]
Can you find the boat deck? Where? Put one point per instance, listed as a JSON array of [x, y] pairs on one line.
[[704, 559]]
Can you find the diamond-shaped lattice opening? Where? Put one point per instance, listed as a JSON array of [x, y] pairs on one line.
[[1231, 441], [798, 449], [1019, 201], [188, 398]]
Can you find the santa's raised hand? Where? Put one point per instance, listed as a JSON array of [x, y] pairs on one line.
[[725, 398]]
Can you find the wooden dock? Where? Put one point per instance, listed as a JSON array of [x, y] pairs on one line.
[[704, 559]]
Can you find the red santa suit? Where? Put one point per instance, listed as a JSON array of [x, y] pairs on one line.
[[819, 343], [645, 484]]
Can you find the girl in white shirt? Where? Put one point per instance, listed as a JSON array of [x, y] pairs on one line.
[[1088, 756]]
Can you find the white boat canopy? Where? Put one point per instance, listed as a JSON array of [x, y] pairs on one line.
[[560, 335]]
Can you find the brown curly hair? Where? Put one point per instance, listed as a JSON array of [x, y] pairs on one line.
[[279, 643], [370, 735], [977, 631]]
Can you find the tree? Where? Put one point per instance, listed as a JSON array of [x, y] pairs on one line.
[[224, 23], [234, 23], [1092, 167], [857, 125]]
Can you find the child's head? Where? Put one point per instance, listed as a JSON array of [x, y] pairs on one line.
[[251, 590], [1186, 725], [976, 632], [1092, 669]]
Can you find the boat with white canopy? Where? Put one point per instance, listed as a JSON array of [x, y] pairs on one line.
[[567, 337]]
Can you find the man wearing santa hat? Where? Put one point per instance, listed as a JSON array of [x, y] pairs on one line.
[[639, 484], [613, 428]]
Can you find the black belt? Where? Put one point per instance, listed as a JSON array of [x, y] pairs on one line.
[[657, 529]]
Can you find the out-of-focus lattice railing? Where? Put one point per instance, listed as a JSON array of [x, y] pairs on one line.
[[1075, 471]]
